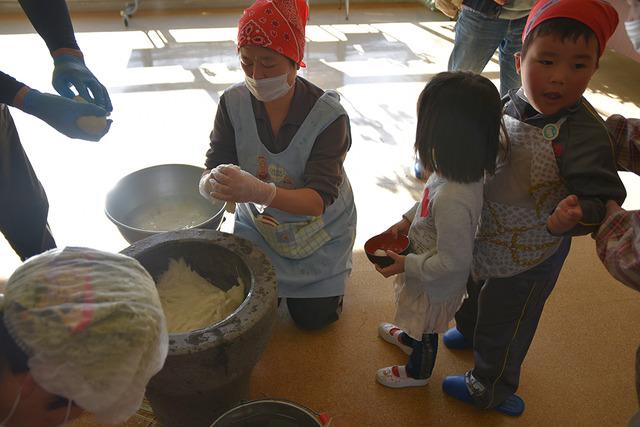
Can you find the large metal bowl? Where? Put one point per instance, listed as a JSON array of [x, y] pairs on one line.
[[170, 186]]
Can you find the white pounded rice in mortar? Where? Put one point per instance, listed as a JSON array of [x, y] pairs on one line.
[[191, 302]]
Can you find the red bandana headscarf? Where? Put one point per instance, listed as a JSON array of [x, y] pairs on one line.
[[277, 25], [598, 15]]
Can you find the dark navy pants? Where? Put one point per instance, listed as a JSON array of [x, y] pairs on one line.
[[501, 316], [23, 202]]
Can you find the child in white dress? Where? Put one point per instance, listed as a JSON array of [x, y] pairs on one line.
[[457, 140]]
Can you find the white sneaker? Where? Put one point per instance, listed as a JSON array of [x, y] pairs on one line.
[[396, 377], [391, 334]]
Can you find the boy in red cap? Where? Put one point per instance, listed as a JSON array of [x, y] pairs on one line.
[[558, 146]]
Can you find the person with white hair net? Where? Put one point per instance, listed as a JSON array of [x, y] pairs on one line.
[[80, 330]]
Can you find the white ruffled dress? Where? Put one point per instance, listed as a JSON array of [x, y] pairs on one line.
[[443, 227]]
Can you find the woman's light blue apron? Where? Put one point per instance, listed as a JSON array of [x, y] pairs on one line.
[[311, 255]]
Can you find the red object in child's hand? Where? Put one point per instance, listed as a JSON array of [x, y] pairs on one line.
[[385, 242]]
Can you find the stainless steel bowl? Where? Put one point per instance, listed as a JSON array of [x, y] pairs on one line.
[[174, 185]]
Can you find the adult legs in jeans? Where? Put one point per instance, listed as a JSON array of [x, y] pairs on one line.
[[476, 39], [510, 45], [508, 312], [315, 313], [23, 216]]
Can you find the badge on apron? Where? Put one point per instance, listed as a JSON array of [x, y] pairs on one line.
[[550, 131]]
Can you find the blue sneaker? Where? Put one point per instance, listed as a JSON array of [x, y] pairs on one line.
[[454, 340], [456, 386]]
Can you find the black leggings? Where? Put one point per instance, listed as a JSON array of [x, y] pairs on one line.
[[423, 357]]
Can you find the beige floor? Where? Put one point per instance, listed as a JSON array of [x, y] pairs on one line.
[[165, 74]]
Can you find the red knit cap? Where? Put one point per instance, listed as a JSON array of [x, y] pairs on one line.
[[277, 25], [598, 15]]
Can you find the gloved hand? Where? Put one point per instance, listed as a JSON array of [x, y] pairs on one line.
[[204, 186], [232, 184], [70, 71], [62, 113]]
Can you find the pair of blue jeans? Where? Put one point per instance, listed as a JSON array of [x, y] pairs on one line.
[[477, 38]]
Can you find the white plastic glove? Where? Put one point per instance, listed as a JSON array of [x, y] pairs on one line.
[[232, 184], [204, 186]]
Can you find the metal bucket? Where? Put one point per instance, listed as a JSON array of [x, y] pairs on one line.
[[269, 413], [170, 184]]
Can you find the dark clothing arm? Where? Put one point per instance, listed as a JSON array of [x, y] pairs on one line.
[[9, 87], [324, 169], [589, 170], [222, 140], [51, 20]]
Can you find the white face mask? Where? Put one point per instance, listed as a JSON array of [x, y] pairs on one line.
[[4, 422], [268, 89], [633, 30], [66, 416]]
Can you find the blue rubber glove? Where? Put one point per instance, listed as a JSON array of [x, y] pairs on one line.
[[62, 113], [70, 71]]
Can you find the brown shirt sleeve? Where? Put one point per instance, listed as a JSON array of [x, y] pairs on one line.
[[222, 145], [324, 171]]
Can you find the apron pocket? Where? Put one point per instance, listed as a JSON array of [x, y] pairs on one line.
[[293, 240]]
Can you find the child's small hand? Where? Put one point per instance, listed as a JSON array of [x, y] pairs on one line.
[[567, 215], [395, 268]]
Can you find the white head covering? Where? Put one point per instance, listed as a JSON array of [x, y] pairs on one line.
[[92, 326]]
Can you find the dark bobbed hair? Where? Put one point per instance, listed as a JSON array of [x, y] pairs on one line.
[[459, 126], [11, 355], [562, 28]]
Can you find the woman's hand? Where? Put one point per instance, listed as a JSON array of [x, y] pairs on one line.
[[401, 227], [232, 184], [396, 268]]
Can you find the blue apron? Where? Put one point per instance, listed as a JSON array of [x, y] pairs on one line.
[[311, 255]]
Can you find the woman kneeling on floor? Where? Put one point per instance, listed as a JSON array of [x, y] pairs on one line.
[[277, 150]]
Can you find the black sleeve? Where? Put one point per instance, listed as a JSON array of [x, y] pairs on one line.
[[589, 169], [51, 20], [9, 87], [222, 145]]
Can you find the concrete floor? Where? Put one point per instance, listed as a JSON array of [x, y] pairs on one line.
[[165, 73]]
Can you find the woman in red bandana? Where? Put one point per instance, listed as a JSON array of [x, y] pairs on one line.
[[277, 150]]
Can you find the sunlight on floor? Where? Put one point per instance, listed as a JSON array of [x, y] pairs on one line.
[[165, 81]]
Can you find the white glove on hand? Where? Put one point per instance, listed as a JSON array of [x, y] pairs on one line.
[[232, 184], [204, 186]]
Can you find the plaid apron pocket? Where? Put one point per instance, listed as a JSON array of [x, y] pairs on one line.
[[293, 240]]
